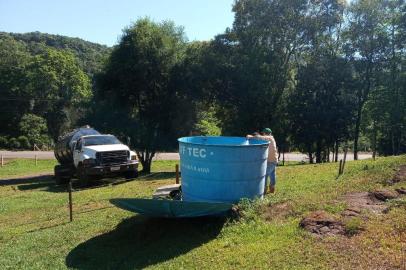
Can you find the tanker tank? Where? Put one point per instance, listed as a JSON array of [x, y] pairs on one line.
[[64, 147]]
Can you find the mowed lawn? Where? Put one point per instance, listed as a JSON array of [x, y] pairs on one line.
[[35, 232]]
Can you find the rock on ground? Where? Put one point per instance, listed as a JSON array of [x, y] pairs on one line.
[[363, 201], [400, 176], [322, 223], [385, 194], [401, 190]]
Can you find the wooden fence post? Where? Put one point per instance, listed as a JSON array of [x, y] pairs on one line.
[[36, 160], [70, 200], [177, 173], [342, 162], [2, 161], [345, 158]]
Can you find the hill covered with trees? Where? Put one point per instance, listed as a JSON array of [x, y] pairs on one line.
[[45, 82], [90, 56]]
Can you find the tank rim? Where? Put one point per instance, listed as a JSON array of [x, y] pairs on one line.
[[261, 142]]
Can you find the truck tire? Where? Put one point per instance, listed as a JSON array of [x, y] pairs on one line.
[[131, 174], [60, 175]]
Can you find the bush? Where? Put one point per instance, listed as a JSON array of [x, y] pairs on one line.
[[34, 128], [13, 143], [24, 142], [3, 142]]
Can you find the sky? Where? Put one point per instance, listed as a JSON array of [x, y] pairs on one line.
[[102, 21]]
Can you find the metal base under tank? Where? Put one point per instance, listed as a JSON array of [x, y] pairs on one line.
[[172, 208]]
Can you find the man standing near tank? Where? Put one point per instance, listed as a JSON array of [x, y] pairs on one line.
[[272, 158]]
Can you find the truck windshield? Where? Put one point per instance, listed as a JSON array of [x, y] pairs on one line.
[[100, 140]]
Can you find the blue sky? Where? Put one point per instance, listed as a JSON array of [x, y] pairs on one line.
[[102, 21]]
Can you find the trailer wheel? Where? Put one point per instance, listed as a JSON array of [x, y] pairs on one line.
[[81, 174], [59, 176]]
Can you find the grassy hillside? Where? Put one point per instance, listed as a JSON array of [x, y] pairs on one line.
[[35, 232]]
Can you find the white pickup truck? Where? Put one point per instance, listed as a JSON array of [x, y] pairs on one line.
[[88, 154]]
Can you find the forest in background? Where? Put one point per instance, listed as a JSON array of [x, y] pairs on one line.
[[322, 75]]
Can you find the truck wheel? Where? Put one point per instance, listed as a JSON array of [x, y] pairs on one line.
[[60, 178], [131, 174]]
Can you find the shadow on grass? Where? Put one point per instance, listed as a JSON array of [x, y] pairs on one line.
[[139, 242], [158, 175], [26, 180], [33, 182], [47, 182], [293, 163]]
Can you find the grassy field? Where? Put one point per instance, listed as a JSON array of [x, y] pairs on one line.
[[35, 232], [18, 167]]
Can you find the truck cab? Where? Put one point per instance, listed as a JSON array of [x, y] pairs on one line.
[[94, 156]]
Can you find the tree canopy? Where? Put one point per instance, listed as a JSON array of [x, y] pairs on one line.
[[136, 82]]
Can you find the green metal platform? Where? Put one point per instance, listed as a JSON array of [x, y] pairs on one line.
[[171, 208]]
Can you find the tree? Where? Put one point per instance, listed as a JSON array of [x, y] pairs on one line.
[[14, 80], [365, 47], [60, 88], [393, 77], [265, 36], [321, 107], [136, 83], [385, 110], [207, 123]]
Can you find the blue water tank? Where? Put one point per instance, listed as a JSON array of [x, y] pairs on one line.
[[222, 169]]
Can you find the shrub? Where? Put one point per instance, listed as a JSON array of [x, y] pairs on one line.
[[34, 128], [13, 143], [3, 142], [24, 142]]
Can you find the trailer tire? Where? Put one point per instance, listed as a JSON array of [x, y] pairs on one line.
[[59, 176], [82, 177]]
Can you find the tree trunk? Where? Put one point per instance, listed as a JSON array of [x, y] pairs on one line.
[[393, 142], [311, 159], [328, 154], [357, 130], [336, 151], [145, 157], [374, 142], [399, 140], [283, 157], [318, 153]]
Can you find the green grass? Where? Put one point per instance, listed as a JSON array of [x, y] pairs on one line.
[[18, 167], [35, 232]]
